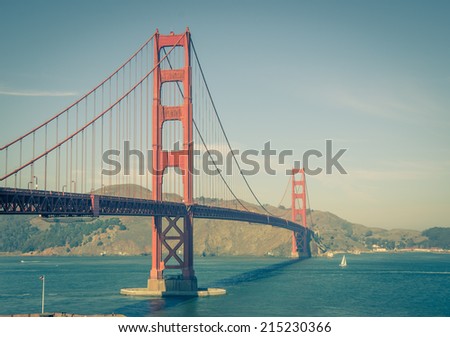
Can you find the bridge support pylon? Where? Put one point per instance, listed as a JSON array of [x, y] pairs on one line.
[[172, 237], [300, 245]]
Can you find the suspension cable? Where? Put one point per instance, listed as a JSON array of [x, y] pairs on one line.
[[220, 173], [80, 99], [309, 203], [285, 191], [204, 143], [223, 130], [92, 121]]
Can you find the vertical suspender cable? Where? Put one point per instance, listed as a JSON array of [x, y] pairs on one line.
[[140, 132], [102, 141], [6, 164], [93, 146], [67, 151], [20, 163], [146, 136], [34, 153], [57, 156], [76, 154]]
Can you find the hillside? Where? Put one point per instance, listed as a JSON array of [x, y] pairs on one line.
[[132, 235]]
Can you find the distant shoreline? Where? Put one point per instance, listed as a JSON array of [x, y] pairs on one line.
[[380, 251], [326, 255]]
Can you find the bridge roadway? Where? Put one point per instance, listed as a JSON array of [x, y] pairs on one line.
[[61, 204]]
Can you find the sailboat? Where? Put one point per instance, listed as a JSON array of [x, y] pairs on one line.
[[343, 262]]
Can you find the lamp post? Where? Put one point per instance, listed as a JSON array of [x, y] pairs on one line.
[[31, 183], [42, 278]]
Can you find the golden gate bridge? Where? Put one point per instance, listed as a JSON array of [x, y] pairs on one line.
[[158, 105]]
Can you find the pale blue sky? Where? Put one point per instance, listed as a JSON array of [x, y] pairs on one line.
[[373, 76]]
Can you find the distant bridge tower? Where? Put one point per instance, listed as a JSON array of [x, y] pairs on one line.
[[299, 239], [172, 237]]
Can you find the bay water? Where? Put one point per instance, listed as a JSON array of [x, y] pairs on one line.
[[374, 285]]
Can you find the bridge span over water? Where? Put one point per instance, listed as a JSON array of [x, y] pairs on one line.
[[157, 100]]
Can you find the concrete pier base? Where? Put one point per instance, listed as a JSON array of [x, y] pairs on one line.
[[172, 286], [174, 283], [152, 293]]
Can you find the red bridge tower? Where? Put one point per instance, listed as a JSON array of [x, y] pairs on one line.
[[299, 240], [172, 237]]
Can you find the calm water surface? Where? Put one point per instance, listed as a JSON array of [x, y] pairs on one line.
[[409, 284]]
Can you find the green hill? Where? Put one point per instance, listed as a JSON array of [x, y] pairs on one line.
[[437, 237]]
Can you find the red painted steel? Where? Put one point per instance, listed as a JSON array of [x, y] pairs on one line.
[[299, 239], [178, 232]]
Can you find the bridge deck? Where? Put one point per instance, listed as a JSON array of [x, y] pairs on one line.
[[60, 204]]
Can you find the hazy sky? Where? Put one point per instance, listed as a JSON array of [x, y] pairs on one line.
[[373, 76]]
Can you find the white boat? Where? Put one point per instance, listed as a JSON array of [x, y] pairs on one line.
[[343, 262]]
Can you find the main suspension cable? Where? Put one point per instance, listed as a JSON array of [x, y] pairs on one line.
[[223, 130]]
